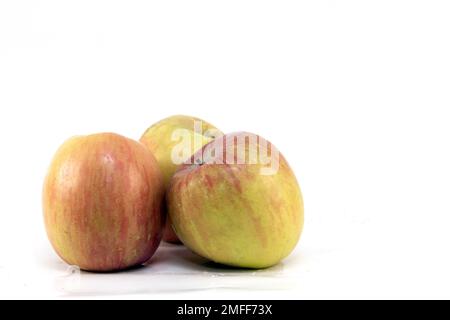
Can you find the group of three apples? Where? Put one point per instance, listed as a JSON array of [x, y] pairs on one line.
[[109, 200]]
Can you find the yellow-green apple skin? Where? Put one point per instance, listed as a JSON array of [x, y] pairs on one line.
[[234, 215], [159, 139], [102, 202]]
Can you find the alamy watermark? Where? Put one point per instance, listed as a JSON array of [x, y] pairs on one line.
[[241, 148]]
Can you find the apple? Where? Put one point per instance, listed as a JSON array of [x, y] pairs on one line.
[[102, 202], [237, 202], [173, 140]]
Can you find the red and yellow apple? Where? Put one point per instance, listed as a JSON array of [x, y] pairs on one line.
[[240, 205], [102, 202], [176, 136]]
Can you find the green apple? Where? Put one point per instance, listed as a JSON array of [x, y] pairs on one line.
[[173, 140], [240, 205]]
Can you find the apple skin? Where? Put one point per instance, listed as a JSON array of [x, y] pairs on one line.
[[158, 138], [233, 215], [102, 201]]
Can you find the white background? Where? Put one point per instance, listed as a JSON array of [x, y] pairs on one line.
[[356, 94]]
